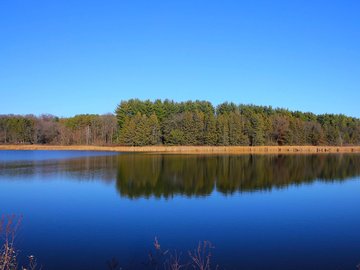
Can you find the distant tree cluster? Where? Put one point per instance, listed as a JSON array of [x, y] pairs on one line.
[[48, 129], [200, 123], [139, 123]]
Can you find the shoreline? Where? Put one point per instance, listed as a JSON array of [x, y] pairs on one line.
[[193, 149]]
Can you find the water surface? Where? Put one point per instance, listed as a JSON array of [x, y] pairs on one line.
[[260, 212]]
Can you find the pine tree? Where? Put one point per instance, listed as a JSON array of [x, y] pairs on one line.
[[257, 134], [127, 132], [222, 129], [155, 133], [236, 130], [210, 134]]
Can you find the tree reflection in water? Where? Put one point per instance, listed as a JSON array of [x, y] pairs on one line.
[[145, 175], [194, 175]]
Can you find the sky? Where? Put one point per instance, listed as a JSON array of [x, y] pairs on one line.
[[72, 57]]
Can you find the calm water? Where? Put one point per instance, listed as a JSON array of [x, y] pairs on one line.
[[260, 212]]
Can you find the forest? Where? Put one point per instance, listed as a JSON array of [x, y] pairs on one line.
[[166, 122]]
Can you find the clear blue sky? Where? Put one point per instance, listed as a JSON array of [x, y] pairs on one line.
[[70, 57]]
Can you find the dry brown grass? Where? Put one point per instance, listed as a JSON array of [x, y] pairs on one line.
[[195, 149], [9, 225], [8, 254], [198, 259]]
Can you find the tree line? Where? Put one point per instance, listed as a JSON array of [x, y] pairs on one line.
[[49, 129], [200, 123], [139, 123]]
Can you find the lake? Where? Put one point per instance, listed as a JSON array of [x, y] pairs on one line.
[[81, 209]]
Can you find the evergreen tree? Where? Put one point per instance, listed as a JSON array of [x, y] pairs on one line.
[[222, 129], [127, 132], [155, 133], [210, 134], [236, 130]]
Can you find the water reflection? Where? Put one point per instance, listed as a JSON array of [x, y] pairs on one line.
[[145, 175], [90, 168], [199, 175]]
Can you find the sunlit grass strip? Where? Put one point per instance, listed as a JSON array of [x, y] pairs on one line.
[[195, 149]]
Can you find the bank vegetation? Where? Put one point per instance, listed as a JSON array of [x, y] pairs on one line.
[[192, 123]]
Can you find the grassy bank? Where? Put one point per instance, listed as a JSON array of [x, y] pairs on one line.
[[194, 149]]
